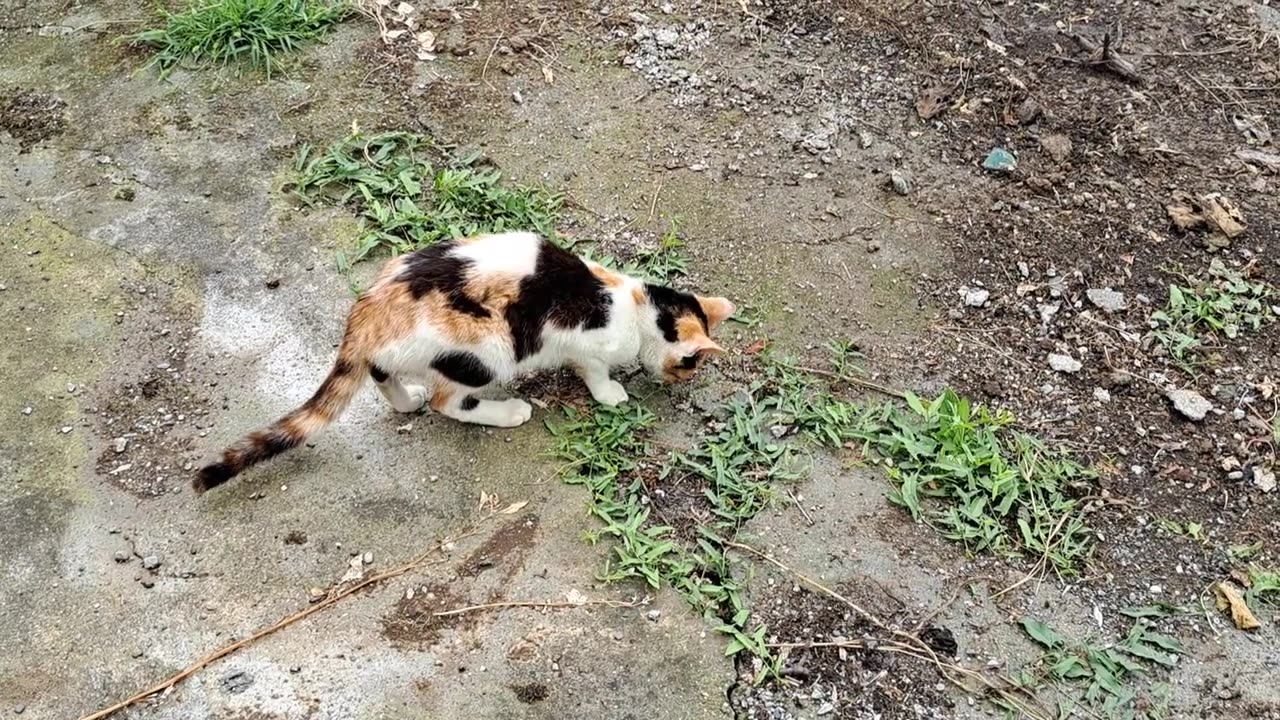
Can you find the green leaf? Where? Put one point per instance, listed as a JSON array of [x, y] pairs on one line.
[[1042, 633]]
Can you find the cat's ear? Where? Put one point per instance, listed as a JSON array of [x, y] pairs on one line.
[[706, 347], [717, 310]]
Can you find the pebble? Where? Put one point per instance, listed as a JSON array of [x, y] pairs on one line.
[[1101, 395], [19, 709], [517, 97], [653, 615], [120, 445], [120, 556], [1000, 160], [28, 410], [1064, 363], [368, 558], [1189, 403], [1109, 300], [66, 429], [151, 562], [901, 183], [976, 297]]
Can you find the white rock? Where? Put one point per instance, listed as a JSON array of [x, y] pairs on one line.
[[1189, 403], [1108, 299], [1265, 479], [1064, 363], [977, 297], [1101, 395]]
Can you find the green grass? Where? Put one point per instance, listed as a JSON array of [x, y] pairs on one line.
[[957, 466], [410, 193], [254, 32], [1264, 587], [1101, 680], [1225, 304]]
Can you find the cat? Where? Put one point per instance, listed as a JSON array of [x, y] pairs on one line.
[[466, 314]]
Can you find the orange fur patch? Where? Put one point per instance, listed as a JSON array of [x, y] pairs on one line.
[[606, 276], [440, 398], [637, 294], [689, 327]]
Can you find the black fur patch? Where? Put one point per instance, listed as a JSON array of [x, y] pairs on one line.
[[341, 367], [272, 443], [688, 362], [463, 368], [672, 304], [211, 476], [470, 403], [434, 269], [378, 374], [561, 290]]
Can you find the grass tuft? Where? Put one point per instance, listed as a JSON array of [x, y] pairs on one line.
[[1223, 305], [224, 32], [1102, 680], [411, 193]]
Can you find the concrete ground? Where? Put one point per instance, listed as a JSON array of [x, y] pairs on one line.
[[162, 296]]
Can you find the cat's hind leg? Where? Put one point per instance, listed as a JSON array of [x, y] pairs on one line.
[[404, 398]]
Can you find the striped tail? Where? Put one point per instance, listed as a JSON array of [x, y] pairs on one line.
[[293, 429]]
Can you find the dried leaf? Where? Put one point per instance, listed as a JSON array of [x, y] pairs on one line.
[[548, 74], [514, 507], [355, 570], [1229, 597], [426, 40], [1184, 217], [1224, 215], [933, 101], [393, 34], [405, 8], [756, 347]]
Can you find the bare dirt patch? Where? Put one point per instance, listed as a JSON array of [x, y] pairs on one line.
[[412, 623], [505, 550], [31, 117]]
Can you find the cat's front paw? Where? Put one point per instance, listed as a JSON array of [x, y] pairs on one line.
[[609, 393], [513, 413]]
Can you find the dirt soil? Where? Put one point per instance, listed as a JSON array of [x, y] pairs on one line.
[[823, 159]]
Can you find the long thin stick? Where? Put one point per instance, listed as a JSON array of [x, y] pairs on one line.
[[417, 562], [540, 604]]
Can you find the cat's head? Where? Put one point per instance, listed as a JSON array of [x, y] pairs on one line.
[[680, 339]]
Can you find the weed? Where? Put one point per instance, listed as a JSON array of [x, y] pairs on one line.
[[406, 202], [1105, 674], [846, 359], [1223, 305], [1244, 552], [233, 31], [1264, 587], [1190, 530]]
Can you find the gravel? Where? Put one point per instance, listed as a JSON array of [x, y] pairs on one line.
[[1107, 299], [151, 562]]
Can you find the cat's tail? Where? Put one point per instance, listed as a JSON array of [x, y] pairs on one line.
[[335, 393]]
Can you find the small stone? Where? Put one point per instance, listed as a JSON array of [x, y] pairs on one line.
[[273, 283], [120, 444], [135, 653], [517, 97], [151, 562], [367, 558], [653, 615], [977, 297], [126, 193], [1057, 145], [1189, 403], [295, 669], [873, 246], [1264, 479], [147, 583], [66, 429], [778, 430], [120, 556], [901, 183], [71, 387], [19, 709], [865, 139], [28, 410], [617, 635], [1000, 160], [1109, 300], [236, 682], [1024, 270], [1064, 363], [1101, 395]]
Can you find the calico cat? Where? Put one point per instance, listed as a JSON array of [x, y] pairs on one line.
[[466, 314]]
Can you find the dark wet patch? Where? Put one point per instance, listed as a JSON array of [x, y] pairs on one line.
[[31, 117], [530, 693], [855, 683], [295, 537], [506, 548], [412, 623]]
